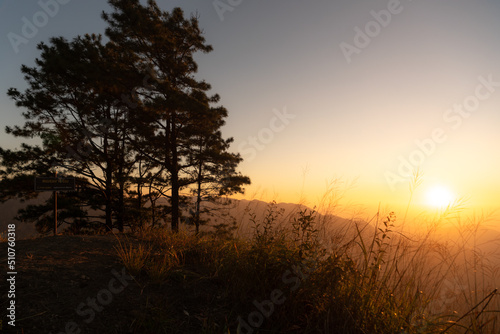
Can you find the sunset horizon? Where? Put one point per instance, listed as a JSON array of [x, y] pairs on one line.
[[233, 166]]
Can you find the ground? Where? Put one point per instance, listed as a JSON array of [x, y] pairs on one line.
[[77, 284]]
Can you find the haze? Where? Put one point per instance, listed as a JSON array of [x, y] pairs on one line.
[[363, 92]]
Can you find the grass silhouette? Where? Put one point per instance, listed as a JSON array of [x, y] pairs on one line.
[[297, 275], [296, 271]]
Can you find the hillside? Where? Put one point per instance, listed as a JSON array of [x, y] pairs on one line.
[[59, 278], [237, 210], [56, 274], [187, 284]]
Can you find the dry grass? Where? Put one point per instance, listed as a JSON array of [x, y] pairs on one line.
[[134, 257], [374, 278]]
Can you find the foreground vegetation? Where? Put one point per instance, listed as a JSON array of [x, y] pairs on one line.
[[303, 280]]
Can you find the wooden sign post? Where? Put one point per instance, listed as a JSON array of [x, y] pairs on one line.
[[54, 184], [55, 207]]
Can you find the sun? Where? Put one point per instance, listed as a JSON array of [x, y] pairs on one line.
[[440, 196]]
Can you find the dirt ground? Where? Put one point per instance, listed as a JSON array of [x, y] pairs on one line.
[[77, 284]]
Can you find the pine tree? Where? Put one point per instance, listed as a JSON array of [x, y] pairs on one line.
[[126, 114], [74, 104], [214, 174], [176, 109]]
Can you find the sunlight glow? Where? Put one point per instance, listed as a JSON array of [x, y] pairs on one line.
[[440, 196]]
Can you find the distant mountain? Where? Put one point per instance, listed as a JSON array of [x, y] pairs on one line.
[[483, 240], [239, 211], [335, 228]]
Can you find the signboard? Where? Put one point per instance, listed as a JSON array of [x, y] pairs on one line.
[[54, 183]]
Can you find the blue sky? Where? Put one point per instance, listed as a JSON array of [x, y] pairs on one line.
[[356, 117]]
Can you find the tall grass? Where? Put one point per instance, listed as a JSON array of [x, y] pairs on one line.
[[374, 278]]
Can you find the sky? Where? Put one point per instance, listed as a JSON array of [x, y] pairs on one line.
[[354, 94]]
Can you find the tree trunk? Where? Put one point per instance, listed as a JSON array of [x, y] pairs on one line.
[[198, 199], [121, 184], [175, 202], [153, 212], [153, 206], [139, 201], [174, 170], [121, 207], [109, 204], [108, 191]]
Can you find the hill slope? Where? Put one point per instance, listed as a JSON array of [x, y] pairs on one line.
[[55, 275]]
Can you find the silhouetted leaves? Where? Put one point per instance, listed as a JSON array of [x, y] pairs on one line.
[[127, 116]]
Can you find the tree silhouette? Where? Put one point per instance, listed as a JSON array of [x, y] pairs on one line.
[[214, 173], [125, 116], [176, 110], [74, 107]]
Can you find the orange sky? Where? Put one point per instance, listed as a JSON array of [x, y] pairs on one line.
[[356, 91]]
